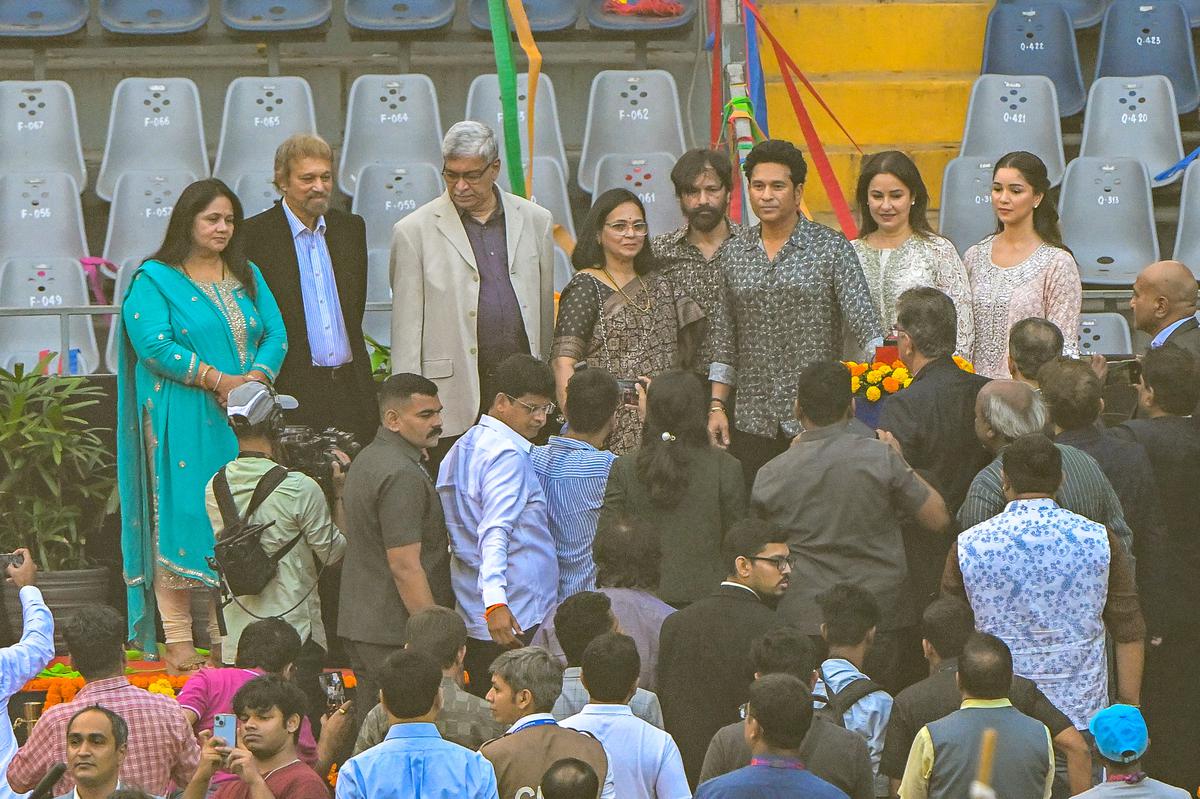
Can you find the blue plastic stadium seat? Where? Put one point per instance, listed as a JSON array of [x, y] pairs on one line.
[[630, 111], [1085, 13], [259, 114], [1108, 219], [41, 216], [388, 193], [483, 104], [966, 215], [390, 119], [549, 190], [1134, 117], [39, 129], [154, 124], [153, 17], [544, 15], [41, 18], [45, 283], [1015, 112], [1036, 39], [601, 19], [649, 177], [1150, 38], [1104, 334], [1187, 239], [378, 324], [256, 191], [390, 16], [141, 206], [275, 16]]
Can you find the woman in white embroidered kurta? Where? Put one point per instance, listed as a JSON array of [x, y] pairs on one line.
[[896, 247], [1024, 269]]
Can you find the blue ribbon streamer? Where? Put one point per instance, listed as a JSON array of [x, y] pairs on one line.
[[756, 86]]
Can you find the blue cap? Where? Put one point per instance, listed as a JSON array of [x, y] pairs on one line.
[[1120, 733]]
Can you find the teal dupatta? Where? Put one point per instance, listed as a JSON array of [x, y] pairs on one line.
[[169, 324]]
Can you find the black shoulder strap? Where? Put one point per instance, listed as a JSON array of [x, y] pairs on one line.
[[266, 486], [229, 512], [841, 701]]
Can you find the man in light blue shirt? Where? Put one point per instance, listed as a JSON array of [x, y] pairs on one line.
[[645, 760], [503, 566], [25, 659], [413, 762], [573, 471], [850, 616]]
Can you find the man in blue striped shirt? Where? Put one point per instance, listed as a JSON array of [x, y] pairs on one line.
[[573, 470]]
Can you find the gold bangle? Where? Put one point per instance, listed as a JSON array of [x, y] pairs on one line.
[[220, 377], [717, 409], [203, 374]]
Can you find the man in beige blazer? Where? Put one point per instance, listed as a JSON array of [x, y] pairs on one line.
[[472, 280]]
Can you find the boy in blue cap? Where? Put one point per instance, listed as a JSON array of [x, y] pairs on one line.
[[1122, 739]]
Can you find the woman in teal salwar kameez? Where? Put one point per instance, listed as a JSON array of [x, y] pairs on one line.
[[197, 320]]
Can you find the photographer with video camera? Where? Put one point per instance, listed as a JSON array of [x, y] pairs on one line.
[[275, 534]]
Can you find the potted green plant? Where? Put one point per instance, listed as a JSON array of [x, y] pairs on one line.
[[57, 483]]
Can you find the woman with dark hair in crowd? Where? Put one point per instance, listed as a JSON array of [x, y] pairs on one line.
[[898, 249], [197, 320], [688, 489], [618, 312], [1023, 269]]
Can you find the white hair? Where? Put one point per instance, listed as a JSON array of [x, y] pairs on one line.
[[470, 139], [1012, 422]]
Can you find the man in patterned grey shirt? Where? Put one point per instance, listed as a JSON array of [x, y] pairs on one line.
[[693, 256], [789, 285]]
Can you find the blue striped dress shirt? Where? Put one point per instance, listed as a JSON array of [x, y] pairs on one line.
[[327, 337], [573, 475]]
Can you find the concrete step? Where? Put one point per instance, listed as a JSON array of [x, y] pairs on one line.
[[852, 35], [919, 107]]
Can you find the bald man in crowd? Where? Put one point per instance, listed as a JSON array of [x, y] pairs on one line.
[[1164, 305]]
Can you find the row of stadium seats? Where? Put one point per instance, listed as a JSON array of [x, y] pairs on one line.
[[155, 126], [1138, 37], [33, 19], [56, 282]]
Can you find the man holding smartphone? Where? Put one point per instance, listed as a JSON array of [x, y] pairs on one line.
[[261, 749]]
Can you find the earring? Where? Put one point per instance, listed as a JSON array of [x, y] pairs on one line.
[[1035, 205]]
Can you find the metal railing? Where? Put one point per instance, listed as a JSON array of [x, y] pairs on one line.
[[1106, 299]]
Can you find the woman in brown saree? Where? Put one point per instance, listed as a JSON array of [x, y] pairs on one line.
[[618, 312]]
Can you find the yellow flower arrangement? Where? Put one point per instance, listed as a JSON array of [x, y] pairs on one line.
[[874, 381]]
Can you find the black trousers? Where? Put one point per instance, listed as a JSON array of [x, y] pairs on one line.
[[480, 655], [754, 451], [309, 664], [366, 660], [335, 397], [1170, 697]]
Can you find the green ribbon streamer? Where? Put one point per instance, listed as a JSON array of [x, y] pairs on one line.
[[506, 70]]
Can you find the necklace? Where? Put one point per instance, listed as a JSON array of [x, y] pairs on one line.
[[277, 768], [621, 291]]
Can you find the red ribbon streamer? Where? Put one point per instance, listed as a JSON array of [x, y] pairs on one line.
[[820, 160]]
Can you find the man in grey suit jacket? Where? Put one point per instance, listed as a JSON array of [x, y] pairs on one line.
[[1164, 305], [472, 279]]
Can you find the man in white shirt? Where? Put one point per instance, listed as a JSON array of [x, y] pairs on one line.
[[645, 760], [25, 659], [503, 567]]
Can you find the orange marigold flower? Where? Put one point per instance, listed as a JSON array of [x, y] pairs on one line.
[[898, 364], [890, 384], [964, 364], [859, 369]]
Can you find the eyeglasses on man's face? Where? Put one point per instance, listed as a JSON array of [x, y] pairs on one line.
[[779, 562], [547, 409], [473, 177]]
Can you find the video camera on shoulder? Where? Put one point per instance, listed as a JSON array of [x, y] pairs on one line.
[[303, 449]]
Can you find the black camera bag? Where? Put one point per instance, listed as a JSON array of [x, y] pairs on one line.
[[243, 564]]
